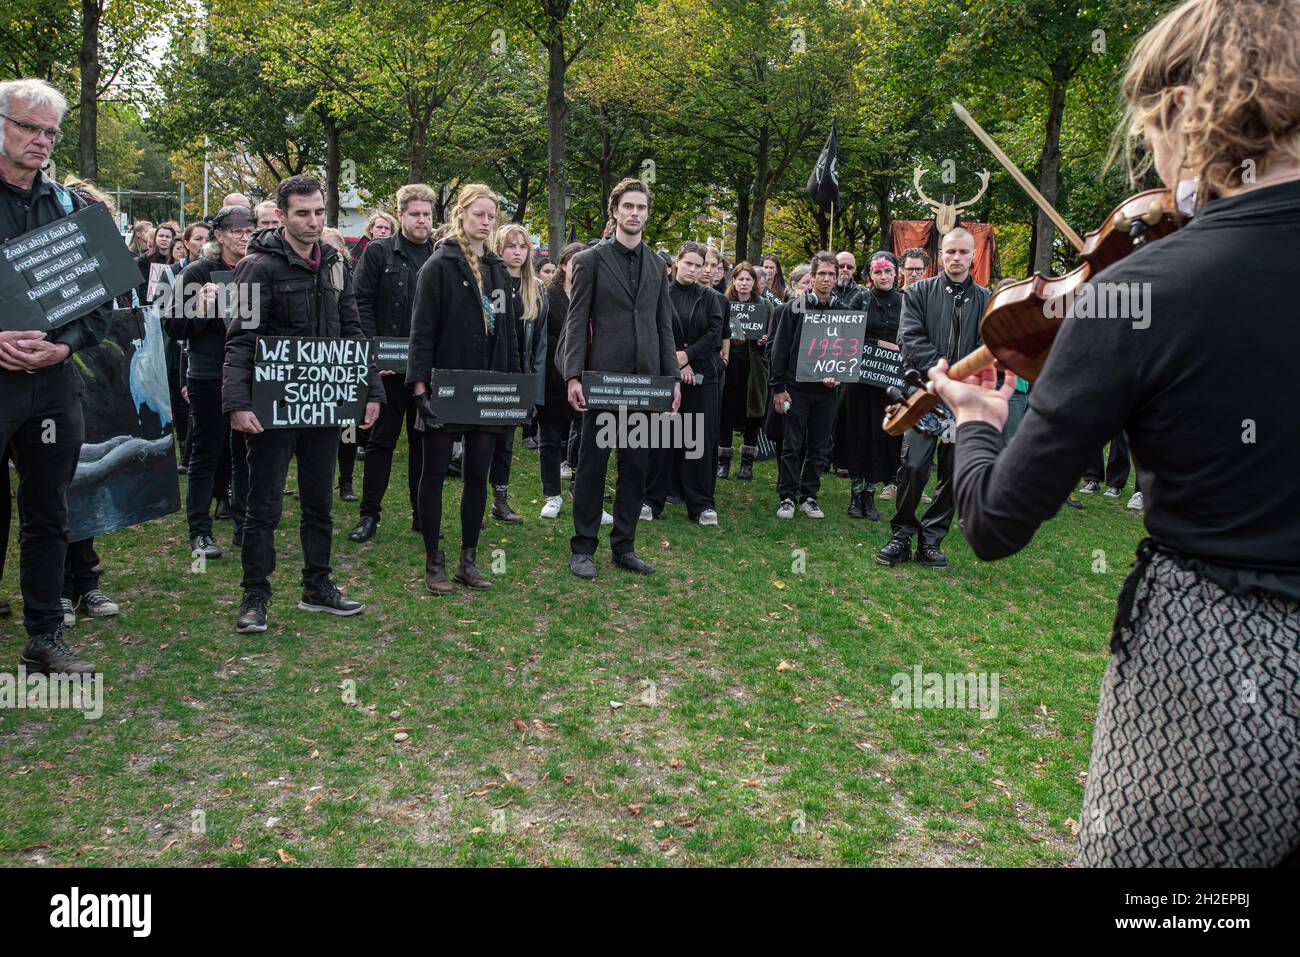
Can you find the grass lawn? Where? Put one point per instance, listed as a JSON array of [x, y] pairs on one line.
[[731, 709]]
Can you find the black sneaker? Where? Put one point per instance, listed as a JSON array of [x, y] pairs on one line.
[[1090, 486], [581, 564], [329, 599], [628, 561], [365, 529], [206, 546], [252, 612], [896, 550], [346, 493], [930, 556], [50, 655]]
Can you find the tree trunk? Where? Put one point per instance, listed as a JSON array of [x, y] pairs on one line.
[[332, 165], [522, 208], [417, 150], [742, 225], [88, 60], [758, 213], [557, 112], [1049, 169], [885, 211]]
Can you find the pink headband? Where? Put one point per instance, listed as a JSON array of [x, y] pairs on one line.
[[882, 261]]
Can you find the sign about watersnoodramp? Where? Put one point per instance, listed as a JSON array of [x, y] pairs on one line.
[[309, 383], [60, 272]]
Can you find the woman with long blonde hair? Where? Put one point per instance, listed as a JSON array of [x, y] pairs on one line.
[[1196, 746], [515, 248], [463, 317]]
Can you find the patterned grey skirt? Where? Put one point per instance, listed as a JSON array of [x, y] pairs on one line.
[[1196, 747]]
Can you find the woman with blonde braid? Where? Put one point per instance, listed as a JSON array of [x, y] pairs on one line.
[[463, 318]]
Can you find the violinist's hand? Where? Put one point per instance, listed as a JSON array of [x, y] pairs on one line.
[[975, 399]]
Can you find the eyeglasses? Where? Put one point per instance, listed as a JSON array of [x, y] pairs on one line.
[[53, 133], [912, 269]]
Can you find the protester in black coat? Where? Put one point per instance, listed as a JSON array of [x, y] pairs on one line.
[[464, 318], [555, 416]]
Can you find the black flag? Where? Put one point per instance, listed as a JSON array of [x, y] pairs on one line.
[[824, 182]]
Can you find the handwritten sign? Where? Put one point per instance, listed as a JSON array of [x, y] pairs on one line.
[[882, 364], [749, 319], [830, 345], [60, 272], [309, 383]]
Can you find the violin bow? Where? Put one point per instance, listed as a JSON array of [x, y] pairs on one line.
[[1057, 219]]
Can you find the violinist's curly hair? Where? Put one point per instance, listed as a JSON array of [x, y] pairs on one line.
[[1241, 59]]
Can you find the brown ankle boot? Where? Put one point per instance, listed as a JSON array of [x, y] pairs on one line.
[[467, 574], [435, 574]]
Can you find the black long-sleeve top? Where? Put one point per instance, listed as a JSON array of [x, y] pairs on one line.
[[1202, 384]]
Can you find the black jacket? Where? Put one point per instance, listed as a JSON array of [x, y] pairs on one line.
[[883, 309], [557, 307], [787, 325], [206, 335], [292, 300], [925, 328], [698, 333], [447, 323], [533, 338], [19, 216], [606, 329], [850, 295], [384, 280]]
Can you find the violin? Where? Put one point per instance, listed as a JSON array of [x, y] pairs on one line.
[[1019, 325]]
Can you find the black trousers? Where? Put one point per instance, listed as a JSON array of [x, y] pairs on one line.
[[42, 425], [180, 408], [503, 457], [238, 477], [79, 575], [399, 408], [914, 472], [1116, 467], [589, 492], [696, 477], [269, 453], [211, 447], [476, 459], [806, 441], [553, 421]]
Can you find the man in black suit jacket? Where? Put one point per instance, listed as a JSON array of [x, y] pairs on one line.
[[620, 320]]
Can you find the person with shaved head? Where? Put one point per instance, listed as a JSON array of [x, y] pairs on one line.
[[940, 320]]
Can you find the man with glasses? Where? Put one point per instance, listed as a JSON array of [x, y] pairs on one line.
[[915, 263], [847, 291], [40, 409]]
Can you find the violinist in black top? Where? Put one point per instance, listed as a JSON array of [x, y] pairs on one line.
[[697, 330], [862, 446], [463, 318], [1196, 747]]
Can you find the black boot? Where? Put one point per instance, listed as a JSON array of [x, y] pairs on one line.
[[724, 462], [747, 455], [869, 506], [855, 505], [467, 574], [435, 574], [501, 507], [346, 493]]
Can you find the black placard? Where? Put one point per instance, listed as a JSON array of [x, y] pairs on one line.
[[830, 345], [881, 365], [303, 383], [609, 390], [57, 273], [474, 397], [749, 319], [391, 354]]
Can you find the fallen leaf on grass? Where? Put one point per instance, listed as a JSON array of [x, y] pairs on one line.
[[635, 809], [519, 723], [285, 856], [777, 583], [785, 666], [749, 783], [969, 804]]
